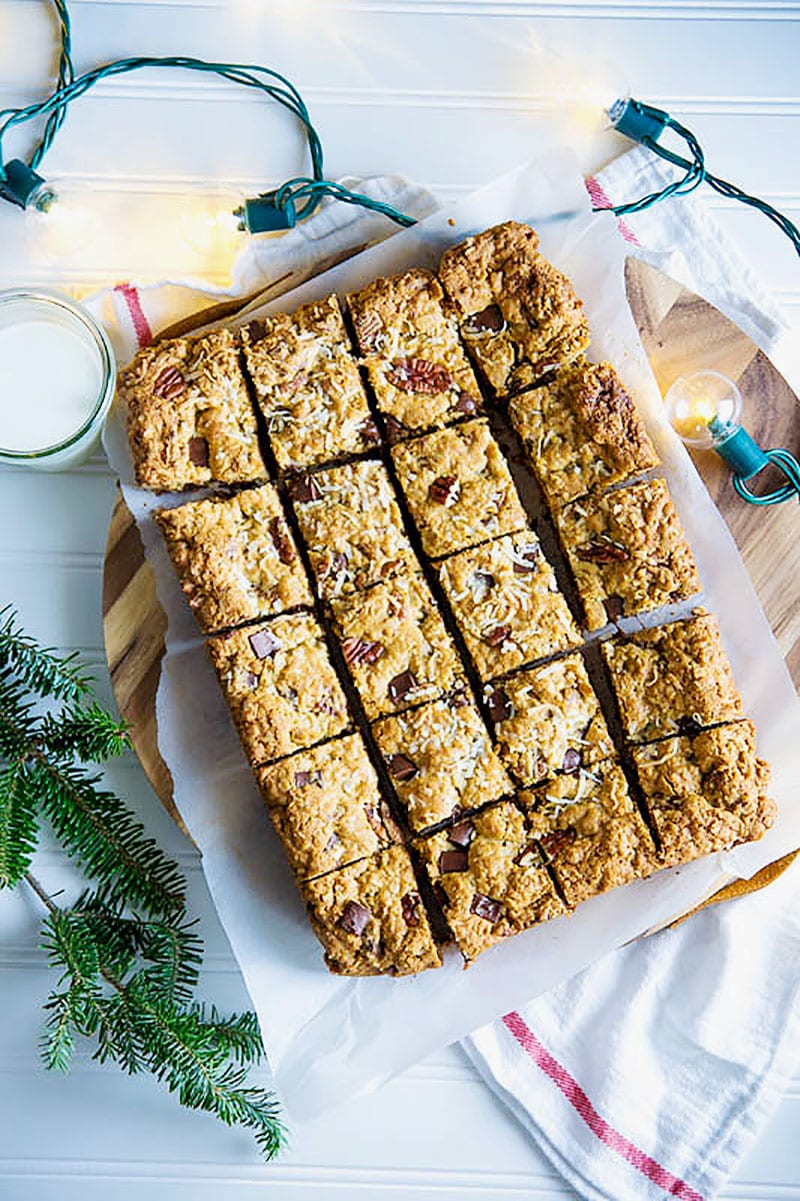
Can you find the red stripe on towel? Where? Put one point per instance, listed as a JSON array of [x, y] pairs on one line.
[[141, 325], [601, 200]]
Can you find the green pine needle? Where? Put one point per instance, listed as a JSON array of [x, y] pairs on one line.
[[126, 953]]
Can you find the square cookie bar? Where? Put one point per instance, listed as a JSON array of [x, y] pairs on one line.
[[190, 420], [520, 317], [408, 337], [235, 557], [489, 877], [628, 552], [582, 431], [506, 603], [396, 645], [590, 831], [307, 385], [441, 761], [675, 679], [351, 526], [326, 805], [280, 685], [370, 919], [458, 488], [548, 720], [705, 793]]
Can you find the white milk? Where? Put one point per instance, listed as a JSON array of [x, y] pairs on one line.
[[54, 374]]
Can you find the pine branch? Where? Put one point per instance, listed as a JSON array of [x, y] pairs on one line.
[[18, 825], [40, 668], [87, 732]]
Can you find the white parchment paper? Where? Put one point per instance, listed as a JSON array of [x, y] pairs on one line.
[[327, 1037]]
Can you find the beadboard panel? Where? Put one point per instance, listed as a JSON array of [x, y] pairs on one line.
[[451, 93]]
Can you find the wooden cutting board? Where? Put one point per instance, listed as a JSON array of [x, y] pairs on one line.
[[682, 333]]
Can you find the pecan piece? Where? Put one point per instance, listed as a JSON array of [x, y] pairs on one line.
[[169, 384], [358, 650], [281, 540], [602, 552], [419, 375]]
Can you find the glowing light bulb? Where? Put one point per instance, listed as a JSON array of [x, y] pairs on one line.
[[704, 409], [61, 220], [208, 224], [594, 99]]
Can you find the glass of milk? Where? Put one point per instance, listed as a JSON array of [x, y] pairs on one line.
[[57, 377]]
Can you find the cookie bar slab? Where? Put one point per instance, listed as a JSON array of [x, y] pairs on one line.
[[190, 420], [370, 918], [705, 793], [441, 761], [326, 806], [458, 488], [489, 877], [507, 605], [548, 720], [627, 551], [235, 557], [351, 526], [307, 385], [519, 316], [582, 432], [590, 831], [408, 337], [674, 679], [396, 646], [281, 688]]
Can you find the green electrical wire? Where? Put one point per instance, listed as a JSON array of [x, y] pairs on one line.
[[785, 463]]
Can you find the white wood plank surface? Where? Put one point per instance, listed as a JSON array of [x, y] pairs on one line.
[[449, 92]]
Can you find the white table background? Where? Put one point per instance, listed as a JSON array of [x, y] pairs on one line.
[[447, 92]]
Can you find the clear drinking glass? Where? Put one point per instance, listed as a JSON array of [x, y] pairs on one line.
[[57, 380]]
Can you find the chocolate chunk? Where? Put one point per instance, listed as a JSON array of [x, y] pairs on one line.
[[281, 540], [457, 699], [499, 705], [264, 644], [250, 680], [302, 779], [335, 564], [198, 452], [409, 904], [368, 432], [419, 375], [489, 321], [485, 907], [357, 650], [169, 384], [480, 584], [401, 686], [497, 636], [354, 918], [304, 488], [440, 892], [444, 490], [333, 841], [256, 330], [453, 861], [689, 726], [402, 768], [602, 552], [614, 607], [525, 559], [466, 404], [552, 844], [571, 760], [462, 834], [394, 429]]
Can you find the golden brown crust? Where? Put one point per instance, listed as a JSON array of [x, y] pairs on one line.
[[370, 919], [507, 605], [627, 551], [189, 415], [490, 878], [548, 720], [458, 488], [441, 761], [326, 806], [590, 831], [582, 432], [706, 793], [280, 686], [672, 679], [408, 338], [307, 385], [235, 557], [520, 317]]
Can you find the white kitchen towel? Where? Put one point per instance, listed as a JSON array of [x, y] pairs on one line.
[[649, 1074], [646, 1075]]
